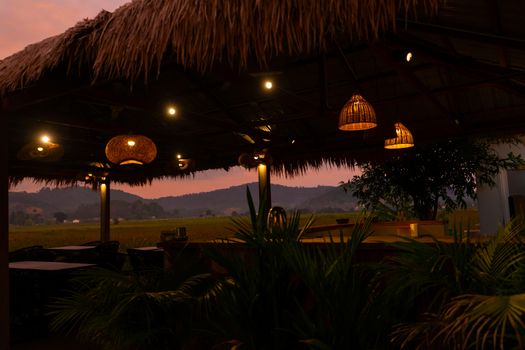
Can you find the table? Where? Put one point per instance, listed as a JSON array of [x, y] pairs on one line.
[[150, 249], [47, 265], [73, 248], [33, 284]]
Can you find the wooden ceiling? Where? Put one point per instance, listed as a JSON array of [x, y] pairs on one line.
[[466, 79]]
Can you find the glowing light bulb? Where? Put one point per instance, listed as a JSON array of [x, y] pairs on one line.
[[45, 139], [409, 56], [179, 156], [268, 85], [131, 143], [172, 111], [40, 149]]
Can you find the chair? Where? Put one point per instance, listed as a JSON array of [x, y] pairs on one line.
[[105, 254], [145, 260], [32, 253]]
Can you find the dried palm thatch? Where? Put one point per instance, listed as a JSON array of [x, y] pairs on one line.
[[134, 40]]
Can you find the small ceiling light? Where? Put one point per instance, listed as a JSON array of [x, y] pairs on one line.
[[268, 84], [409, 56], [45, 139], [42, 151], [131, 149], [186, 164], [90, 174], [403, 139], [179, 156], [357, 114], [172, 110], [293, 141]]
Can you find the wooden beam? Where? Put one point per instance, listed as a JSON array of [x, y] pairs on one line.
[[513, 42], [381, 52]]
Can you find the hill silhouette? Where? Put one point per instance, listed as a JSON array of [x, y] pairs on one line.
[[83, 203]]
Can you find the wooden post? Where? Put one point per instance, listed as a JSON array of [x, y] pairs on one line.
[[4, 238], [263, 171], [104, 210]]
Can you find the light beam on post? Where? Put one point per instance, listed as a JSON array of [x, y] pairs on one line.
[[104, 210], [263, 172]]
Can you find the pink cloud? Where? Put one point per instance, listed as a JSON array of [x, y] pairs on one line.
[[28, 21]]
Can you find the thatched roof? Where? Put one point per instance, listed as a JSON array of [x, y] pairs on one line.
[[133, 41], [116, 73]]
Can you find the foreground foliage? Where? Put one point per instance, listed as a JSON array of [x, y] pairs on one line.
[[275, 292]]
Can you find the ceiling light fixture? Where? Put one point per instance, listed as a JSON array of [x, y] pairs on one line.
[[357, 114], [403, 139]]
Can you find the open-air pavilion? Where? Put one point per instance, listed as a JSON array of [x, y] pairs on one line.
[[193, 78]]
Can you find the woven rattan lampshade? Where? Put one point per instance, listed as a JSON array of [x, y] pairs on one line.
[[357, 114], [131, 149], [403, 139]]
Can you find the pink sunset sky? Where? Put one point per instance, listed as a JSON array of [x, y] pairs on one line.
[[23, 22]]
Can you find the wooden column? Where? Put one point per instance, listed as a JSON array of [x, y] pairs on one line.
[[4, 237], [104, 210], [265, 196]]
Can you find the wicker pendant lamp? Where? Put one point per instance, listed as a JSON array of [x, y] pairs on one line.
[[131, 149], [357, 114], [403, 139]]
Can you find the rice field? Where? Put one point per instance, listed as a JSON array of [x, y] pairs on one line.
[[134, 233], [147, 232]]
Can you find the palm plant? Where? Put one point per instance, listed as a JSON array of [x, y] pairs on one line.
[[252, 308], [118, 311], [286, 295], [481, 307]]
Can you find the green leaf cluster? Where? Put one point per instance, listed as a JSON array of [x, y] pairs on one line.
[[416, 183]]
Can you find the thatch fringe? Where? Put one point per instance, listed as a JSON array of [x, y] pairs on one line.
[[134, 40]]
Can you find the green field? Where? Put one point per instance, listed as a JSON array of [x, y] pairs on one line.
[[147, 232], [133, 233]]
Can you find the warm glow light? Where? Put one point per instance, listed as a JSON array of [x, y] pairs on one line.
[[179, 156], [409, 56], [90, 174], [181, 164], [403, 139], [268, 85], [172, 111], [131, 143], [45, 139], [293, 141], [40, 149]]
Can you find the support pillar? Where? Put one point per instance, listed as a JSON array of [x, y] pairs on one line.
[[104, 211], [263, 172], [4, 238]]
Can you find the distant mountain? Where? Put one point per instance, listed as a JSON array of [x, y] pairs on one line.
[[80, 202], [66, 200], [233, 199]]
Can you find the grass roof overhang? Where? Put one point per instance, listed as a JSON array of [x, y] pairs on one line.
[[117, 73]]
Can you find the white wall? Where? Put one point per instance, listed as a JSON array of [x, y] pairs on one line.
[[493, 203]]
